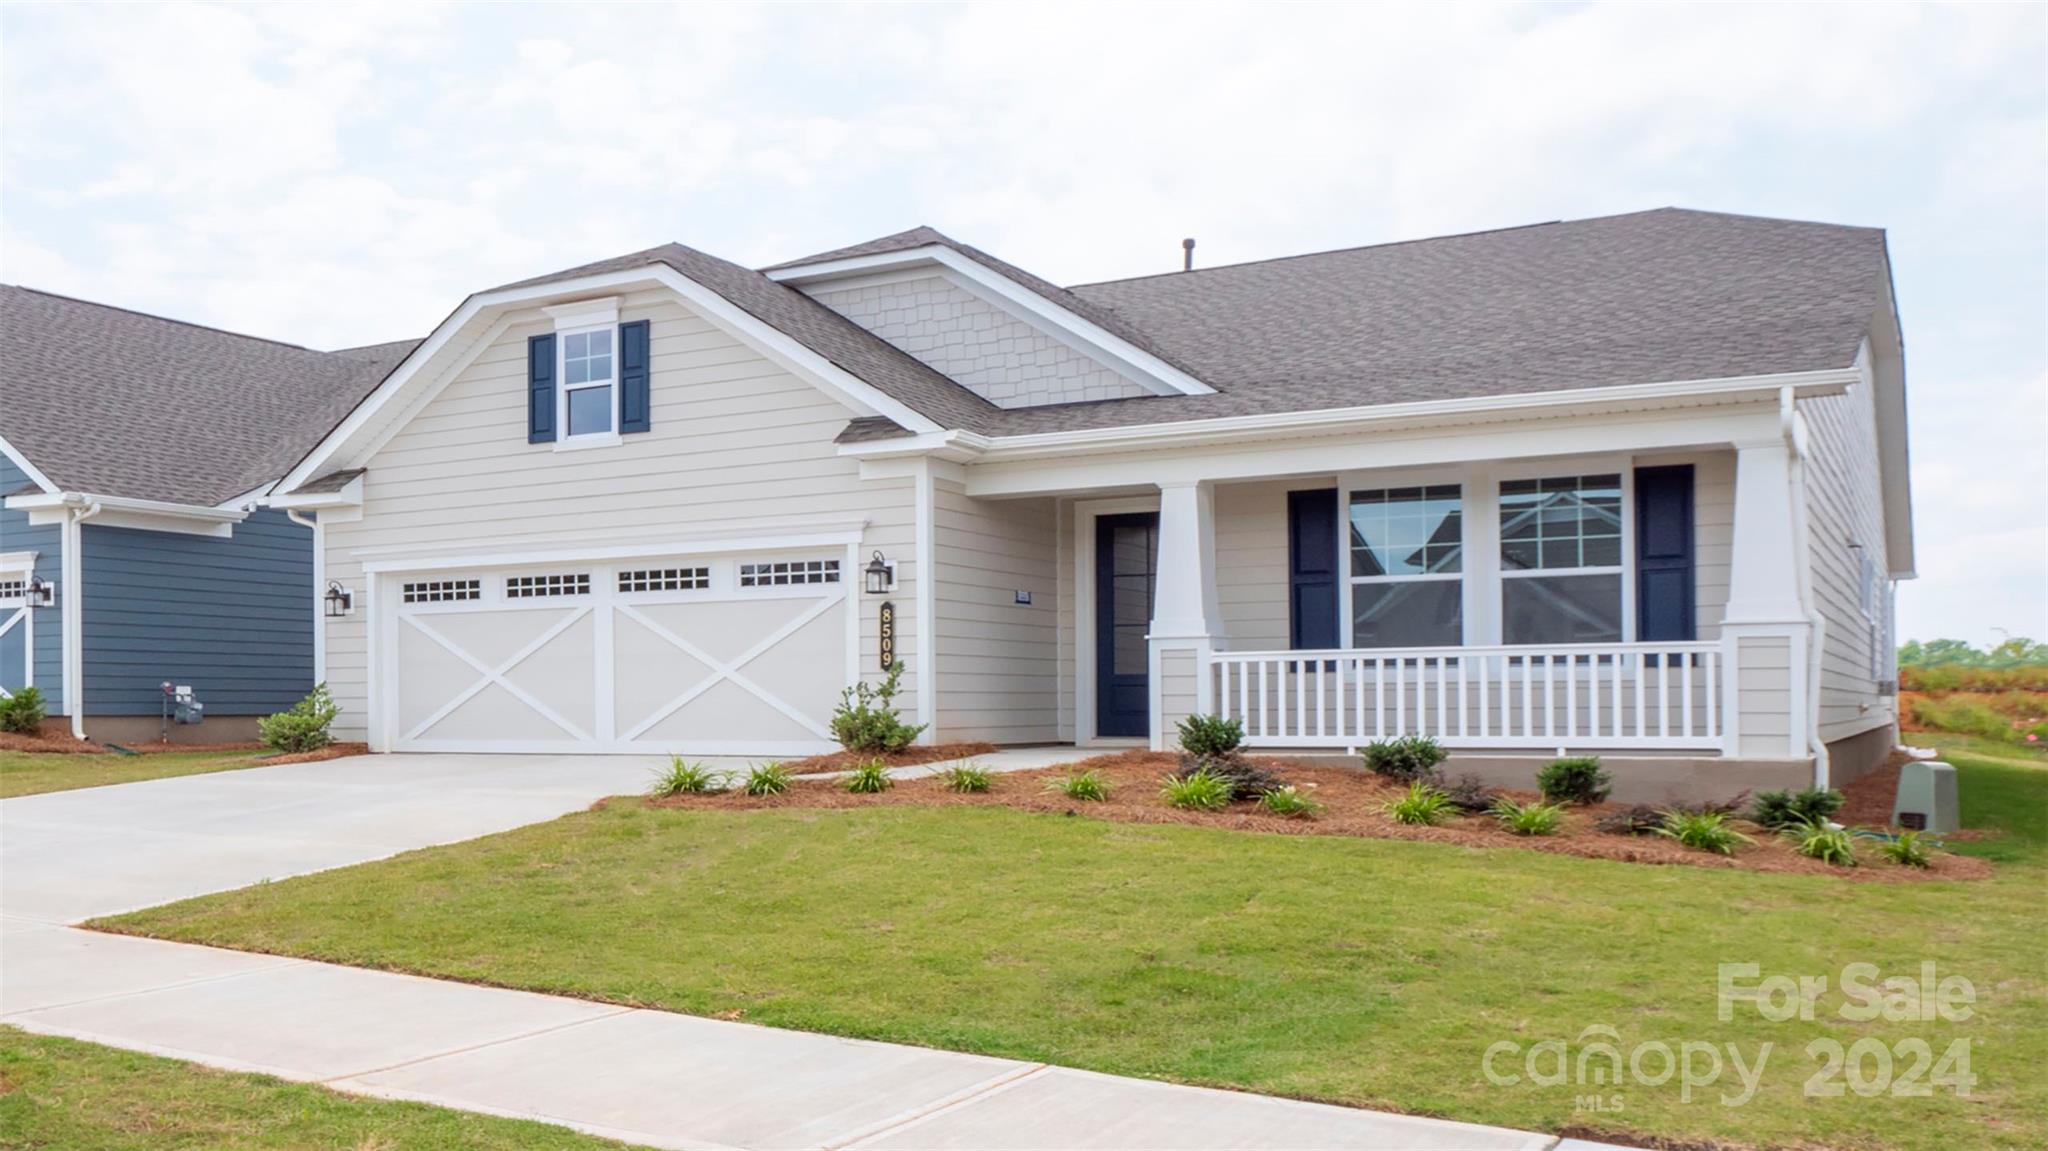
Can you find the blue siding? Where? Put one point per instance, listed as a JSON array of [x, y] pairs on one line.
[[231, 617], [47, 542]]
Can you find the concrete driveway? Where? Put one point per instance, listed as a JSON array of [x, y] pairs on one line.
[[647, 1077]]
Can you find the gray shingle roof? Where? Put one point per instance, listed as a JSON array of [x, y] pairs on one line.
[[1670, 294], [114, 402]]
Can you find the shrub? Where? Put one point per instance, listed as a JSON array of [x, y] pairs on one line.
[[1408, 759], [866, 718], [1528, 818], [1819, 839], [967, 778], [1468, 794], [686, 779], [1088, 786], [1422, 806], [870, 778], [766, 779], [1576, 779], [304, 726], [1780, 809], [1639, 819], [1247, 779], [1197, 791], [1204, 736], [1905, 848], [1702, 831], [23, 712], [1290, 802]]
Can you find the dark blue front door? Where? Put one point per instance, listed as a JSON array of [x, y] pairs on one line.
[[1126, 571]]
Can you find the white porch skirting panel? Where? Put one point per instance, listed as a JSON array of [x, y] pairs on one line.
[[1585, 696]]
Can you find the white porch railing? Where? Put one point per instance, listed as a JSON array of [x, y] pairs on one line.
[[1591, 696]]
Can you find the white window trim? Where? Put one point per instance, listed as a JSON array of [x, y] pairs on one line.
[[1407, 480], [1479, 509], [567, 440]]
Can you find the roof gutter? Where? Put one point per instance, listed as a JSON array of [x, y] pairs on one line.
[[43, 501], [973, 447]]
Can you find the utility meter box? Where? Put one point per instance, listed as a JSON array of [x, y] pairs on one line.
[[1927, 797], [181, 706]]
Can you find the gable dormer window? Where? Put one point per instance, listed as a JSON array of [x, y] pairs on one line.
[[589, 397]]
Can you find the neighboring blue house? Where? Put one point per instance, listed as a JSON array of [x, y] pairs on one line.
[[135, 454]]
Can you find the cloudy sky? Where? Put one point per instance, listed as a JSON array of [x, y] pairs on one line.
[[336, 176]]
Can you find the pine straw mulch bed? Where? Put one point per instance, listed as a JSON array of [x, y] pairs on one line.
[[42, 743], [908, 757], [1351, 801]]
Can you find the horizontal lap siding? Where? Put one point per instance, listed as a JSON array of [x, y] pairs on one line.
[[736, 442], [997, 660], [1251, 565], [1844, 506], [230, 617], [16, 535]]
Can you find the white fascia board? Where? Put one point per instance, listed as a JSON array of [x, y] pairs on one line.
[[1019, 301], [122, 512], [679, 547], [864, 398], [350, 496], [34, 473]]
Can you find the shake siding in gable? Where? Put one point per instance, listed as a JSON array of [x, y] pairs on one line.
[[16, 535], [997, 660], [736, 444], [1844, 507], [231, 617]]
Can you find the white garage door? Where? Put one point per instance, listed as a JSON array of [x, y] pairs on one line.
[[738, 654]]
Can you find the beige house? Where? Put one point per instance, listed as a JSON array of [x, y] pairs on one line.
[[1633, 486]]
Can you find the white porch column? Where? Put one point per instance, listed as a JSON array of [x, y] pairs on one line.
[[1765, 632], [1184, 613]]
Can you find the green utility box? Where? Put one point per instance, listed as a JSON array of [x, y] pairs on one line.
[[1927, 797]]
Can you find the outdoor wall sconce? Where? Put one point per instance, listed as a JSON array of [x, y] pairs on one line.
[[41, 592], [340, 601], [881, 575]]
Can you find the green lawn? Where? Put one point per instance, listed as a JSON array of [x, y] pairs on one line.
[[62, 1093], [30, 773], [1362, 971]]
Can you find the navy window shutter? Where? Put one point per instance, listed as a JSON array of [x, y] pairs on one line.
[[1664, 553], [540, 390], [633, 414], [1312, 570]]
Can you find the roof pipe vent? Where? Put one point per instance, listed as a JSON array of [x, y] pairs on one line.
[[1187, 254]]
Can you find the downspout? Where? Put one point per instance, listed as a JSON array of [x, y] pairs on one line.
[[319, 587], [1795, 436], [72, 622]]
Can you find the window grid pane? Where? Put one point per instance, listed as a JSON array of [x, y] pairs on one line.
[[531, 587], [13, 588], [1407, 531], [442, 591], [1560, 523], [665, 579], [783, 573]]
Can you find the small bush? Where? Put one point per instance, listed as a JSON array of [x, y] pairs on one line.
[[304, 727], [1197, 791], [1422, 806], [1819, 839], [1210, 735], [866, 718], [870, 778], [1468, 794], [1702, 831], [1640, 819], [1906, 848], [1528, 818], [1577, 779], [1408, 759], [1290, 802], [681, 778], [1088, 786], [1781, 809], [766, 779], [967, 778], [1247, 779], [23, 712]]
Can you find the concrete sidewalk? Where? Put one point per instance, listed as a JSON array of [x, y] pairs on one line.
[[646, 1077]]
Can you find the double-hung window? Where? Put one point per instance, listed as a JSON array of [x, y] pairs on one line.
[[1561, 560], [589, 382], [1407, 565]]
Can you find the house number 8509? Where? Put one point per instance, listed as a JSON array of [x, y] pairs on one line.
[[888, 635]]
